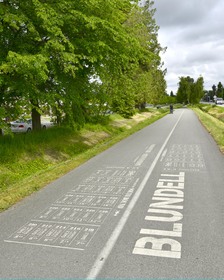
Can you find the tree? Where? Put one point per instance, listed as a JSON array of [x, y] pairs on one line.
[[214, 89], [172, 94], [184, 89], [50, 51], [190, 91], [198, 90], [220, 90], [147, 78]]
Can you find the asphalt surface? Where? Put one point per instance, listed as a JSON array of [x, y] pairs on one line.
[[151, 206]]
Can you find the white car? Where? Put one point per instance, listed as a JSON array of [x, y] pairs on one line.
[[21, 125], [219, 101], [25, 126]]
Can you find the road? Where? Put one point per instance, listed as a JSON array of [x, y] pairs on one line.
[[151, 206]]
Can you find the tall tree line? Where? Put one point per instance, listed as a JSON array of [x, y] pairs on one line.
[[65, 56], [190, 91], [214, 92], [217, 91]]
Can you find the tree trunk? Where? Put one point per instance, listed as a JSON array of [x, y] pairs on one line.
[[36, 122]]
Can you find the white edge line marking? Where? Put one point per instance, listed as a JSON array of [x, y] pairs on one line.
[[105, 252]]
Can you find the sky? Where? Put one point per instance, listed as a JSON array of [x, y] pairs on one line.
[[193, 32]]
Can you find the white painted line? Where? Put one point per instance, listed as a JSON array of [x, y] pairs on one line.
[[44, 245], [163, 155], [104, 254], [141, 160], [136, 159], [68, 223], [115, 167], [149, 150], [171, 175]]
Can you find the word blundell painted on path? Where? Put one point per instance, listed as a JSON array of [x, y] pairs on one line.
[[165, 214]]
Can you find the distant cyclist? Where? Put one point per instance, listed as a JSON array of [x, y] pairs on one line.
[[171, 108]]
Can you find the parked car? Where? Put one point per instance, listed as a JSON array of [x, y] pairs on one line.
[[46, 123], [25, 126], [219, 101], [21, 125]]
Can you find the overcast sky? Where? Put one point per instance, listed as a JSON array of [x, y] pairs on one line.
[[193, 32]]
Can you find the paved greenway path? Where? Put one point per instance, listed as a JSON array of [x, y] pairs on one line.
[[152, 206]]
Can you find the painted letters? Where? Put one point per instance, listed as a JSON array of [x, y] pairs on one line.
[[170, 197]]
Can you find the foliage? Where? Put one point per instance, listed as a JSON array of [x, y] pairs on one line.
[[123, 102], [217, 91], [220, 90], [168, 100], [190, 91], [148, 78], [60, 56]]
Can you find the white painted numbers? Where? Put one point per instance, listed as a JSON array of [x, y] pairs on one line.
[[73, 219], [165, 211]]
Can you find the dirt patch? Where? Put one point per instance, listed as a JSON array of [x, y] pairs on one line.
[[221, 117], [122, 123], [141, 117], [92, 138], [129, 123]]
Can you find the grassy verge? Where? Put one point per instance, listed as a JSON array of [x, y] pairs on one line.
[[212, 117], [31, 161]]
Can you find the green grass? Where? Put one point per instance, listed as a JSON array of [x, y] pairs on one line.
[[211, 118], [31, 161]]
